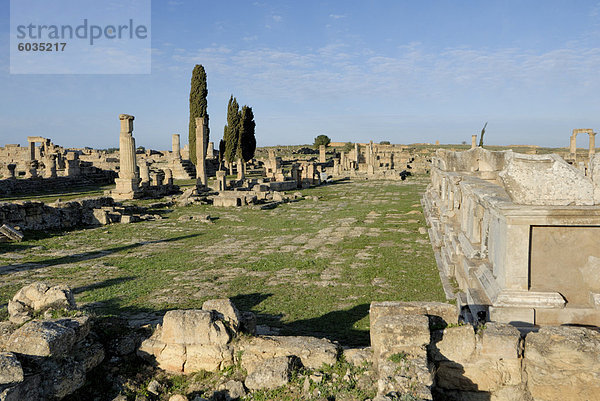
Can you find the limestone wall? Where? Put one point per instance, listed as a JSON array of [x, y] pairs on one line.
[[40, 216], [519, 233]]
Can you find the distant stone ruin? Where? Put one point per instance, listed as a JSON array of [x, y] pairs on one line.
[[519, 233]]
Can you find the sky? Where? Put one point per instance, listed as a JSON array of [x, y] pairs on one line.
[[396, 70]]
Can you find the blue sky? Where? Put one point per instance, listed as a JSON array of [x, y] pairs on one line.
[[403, 71]]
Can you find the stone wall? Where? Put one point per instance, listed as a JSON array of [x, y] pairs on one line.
[[519, 233], [411, 350], [29, 215], [13, 187]]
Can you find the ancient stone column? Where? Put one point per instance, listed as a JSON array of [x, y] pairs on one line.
[[127, 185], [144, 174], [210, 150], [356, 155], [176, 147], [221, 180], [592, 143], [11, 170], [336, 166], [322, 154], [168, 177], [50, 164], [200, 151], [473, 141], [573, 144], [127, 148]]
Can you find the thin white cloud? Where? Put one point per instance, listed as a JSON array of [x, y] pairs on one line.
[[277, 18], [337, 70], [337, 16]]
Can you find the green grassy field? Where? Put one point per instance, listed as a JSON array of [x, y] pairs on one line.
[[307, 267]]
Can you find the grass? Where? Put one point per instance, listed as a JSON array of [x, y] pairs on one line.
[[305, 268]]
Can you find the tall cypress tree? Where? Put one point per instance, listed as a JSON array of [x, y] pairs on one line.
[[247, 138], [231, 133], [198, 105]]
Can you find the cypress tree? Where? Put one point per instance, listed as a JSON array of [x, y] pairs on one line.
[[247, 137], [198, 105], [231, 133]]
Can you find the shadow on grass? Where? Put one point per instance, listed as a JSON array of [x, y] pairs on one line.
[[13, 247], [336, 326], [12, 268], [103, 284]]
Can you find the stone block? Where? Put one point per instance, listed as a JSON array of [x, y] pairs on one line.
[[42, 338], [226, 311], [408, 334], [457, 344], [562, 363], [271, 373], [545, 180], [193, 327], [11, 371], [439, 313], [500, 341], [313, 352]]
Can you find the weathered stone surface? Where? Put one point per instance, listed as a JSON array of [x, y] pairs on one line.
[[11, 371], [271, 373], [42, 338], [188, 341], [501, 341], [193, 327], [207, 357], [399, 334], [313, 352], [233, 389], [410, 375], [545, 180], [457, 344], [358, 356], [226, 311], [562, 363], [36, 297], [6, 329], [178, 397], [439, 313], [478, 374]]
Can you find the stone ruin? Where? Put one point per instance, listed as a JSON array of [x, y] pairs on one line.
[[46, 166], [418, 351], [134, 179], [519, 233]]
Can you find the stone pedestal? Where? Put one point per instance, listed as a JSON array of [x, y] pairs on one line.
[[221, 180]]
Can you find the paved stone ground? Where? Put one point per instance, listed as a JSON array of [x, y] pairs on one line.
[[361, 241]]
